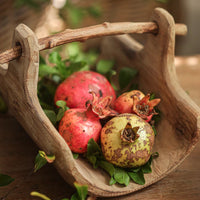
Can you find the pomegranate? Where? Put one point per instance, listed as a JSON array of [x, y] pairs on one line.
[[75, 89], [78, 125], [127, 141], [136, 102], [124, 103]]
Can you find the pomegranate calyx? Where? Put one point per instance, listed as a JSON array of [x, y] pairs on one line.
[[129, 133], [145, 107], [101, 106]]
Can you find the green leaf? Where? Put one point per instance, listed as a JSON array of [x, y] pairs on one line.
[[108, 167], [75, 197], [54, 57], [154, 130], [91, 57], [135, 169], [93, 148], [51, 115], [61, 103], [45, 70], [73, 49], [75, 155], [147, 168], [104, 66], [46, 91], [137, 177], [41, 159], [82, 190], [39, 162], [40, 195], [126, 75], [93, 160], [157, 118], [78, 66], [60, 114], [121, 176], [152, 96], [112, 181], [5, 180]]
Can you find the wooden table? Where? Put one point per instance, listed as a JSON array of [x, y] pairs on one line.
[[17, 154]]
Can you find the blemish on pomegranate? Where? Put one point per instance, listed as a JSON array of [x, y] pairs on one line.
[[68, 125], [117, 154], [108, 131], [82, 115], [100, 93]]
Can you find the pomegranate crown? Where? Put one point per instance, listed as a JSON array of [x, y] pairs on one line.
[[101, 106], [145, 107]]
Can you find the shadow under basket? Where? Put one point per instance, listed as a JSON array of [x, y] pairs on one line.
[[178, 131]]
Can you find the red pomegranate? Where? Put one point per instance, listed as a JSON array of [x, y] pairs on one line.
[[79, 125], [75, 89], [124, 103], [136, 102]]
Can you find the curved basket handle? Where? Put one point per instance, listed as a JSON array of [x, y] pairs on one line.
[[83, 34]]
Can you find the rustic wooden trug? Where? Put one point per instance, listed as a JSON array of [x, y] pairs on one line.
[[178, 131]]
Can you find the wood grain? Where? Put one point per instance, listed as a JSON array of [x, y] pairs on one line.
[[179, 128]]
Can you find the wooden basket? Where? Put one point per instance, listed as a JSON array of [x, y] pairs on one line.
[[178, 131]]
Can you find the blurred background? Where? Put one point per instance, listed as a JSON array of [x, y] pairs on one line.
[[47, 17]]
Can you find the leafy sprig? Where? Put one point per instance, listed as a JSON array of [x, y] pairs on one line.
[[41, 159]]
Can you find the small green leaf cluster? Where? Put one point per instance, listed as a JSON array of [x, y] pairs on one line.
[[118, 175], [81, 192], [56, 116], [41, 159]]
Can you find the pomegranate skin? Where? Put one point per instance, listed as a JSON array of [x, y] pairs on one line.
[[78, 126], [124, 103], [75, 89], [127, 153]]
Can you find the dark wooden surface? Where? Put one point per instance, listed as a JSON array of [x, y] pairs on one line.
[[17, 154]]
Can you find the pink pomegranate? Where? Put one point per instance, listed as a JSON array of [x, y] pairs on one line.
[[75, 89], [78, 125], [136, 102], [124, 103]]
